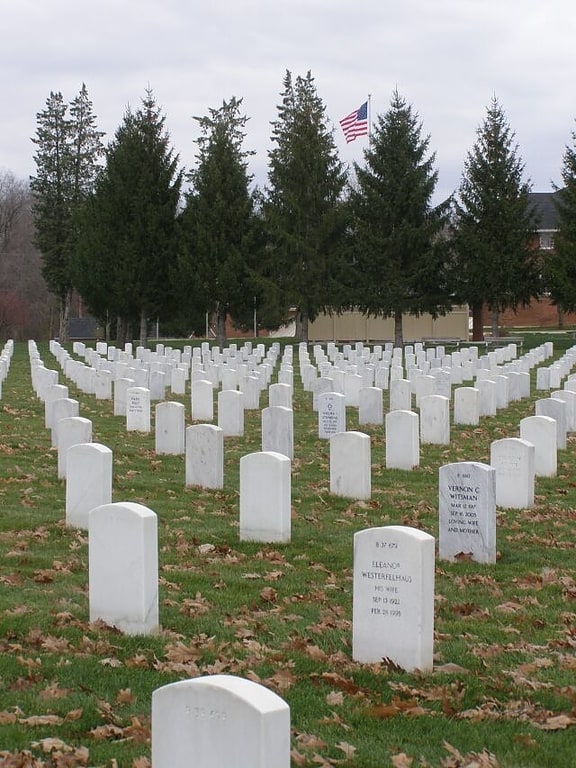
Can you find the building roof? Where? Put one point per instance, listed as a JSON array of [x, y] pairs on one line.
[[545, 208]]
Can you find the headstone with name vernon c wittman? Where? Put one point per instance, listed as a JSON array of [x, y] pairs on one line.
[[467, 511], [393, 597], [217, 721]]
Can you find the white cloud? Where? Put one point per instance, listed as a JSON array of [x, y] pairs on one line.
[[446, 57]]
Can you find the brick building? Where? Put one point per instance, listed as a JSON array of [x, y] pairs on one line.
[[540, 312]]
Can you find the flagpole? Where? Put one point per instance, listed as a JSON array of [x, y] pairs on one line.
[[369, 117]]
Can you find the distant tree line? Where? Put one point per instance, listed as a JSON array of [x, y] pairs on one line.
[[141, 239]]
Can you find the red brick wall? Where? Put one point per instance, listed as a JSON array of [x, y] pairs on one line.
[[540, 313]]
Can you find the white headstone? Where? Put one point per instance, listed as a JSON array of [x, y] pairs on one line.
[[103, 381], [280, 394], [218, 721], [88, 481], [178, 378], [169, 428], [121, 386], [467, 406], [137, 409], [157, 384], [71, 431], [123, 567], [319, 386], [570, 399], [370, 406], [353, 383], [487, 389], [202, 400], [231, 412], [541, 431], [513, 460], [393, 597], [400, 395], [350, 465], [331, 414], [62, 408], [265, 497], [52, 393], [467, 511], [205, 456], [555, 409], [435, 420], [278, 430], [402, 440]]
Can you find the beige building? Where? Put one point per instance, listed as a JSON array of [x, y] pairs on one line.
[[354, 326]]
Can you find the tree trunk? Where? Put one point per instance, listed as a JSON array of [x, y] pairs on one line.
[[560, 319], [143, 328], [398, 335], [64, 316], [301, 320], [221, 328], [495, 318], [120, 332], [477, 322]]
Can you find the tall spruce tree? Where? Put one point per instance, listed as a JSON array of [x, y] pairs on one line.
[[495, 263], [127, 236], [559, 266], [68, 151], [398, 247], [303, 208], [218, 221]]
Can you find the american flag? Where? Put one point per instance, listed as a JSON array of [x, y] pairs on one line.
[[356, 123]]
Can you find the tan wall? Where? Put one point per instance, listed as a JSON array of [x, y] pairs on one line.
[[354, 326]]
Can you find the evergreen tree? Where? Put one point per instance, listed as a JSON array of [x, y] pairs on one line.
[[495, 263], [127, 238], [560, 263], [218, 220], [68, 150], [303, 209], [398, 246]]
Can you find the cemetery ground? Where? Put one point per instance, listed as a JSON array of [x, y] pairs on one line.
[[75, 693]]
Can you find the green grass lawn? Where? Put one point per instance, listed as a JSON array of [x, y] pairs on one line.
[[73, 693]]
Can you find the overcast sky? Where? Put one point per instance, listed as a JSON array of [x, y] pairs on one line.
[[447, 58]]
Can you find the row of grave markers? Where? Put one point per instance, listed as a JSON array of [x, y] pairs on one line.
[[467, 498], [350, 460], [393, 593]]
